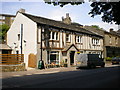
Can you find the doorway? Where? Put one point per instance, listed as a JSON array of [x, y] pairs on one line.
[[72, 53]]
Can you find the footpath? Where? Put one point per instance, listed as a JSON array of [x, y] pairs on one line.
[[36, 71], [32, 71]]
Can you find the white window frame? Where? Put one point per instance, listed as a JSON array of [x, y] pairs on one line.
[[56, 36], [68, 38], [95, 41], [78, 39], [3, 17]]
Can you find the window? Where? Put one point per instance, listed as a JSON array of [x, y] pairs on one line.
[[116, 40], [56, 35], [3, 17], [54, 57], [0, 17], [110, 39], [78, 39], [53, 35], [95, 41], [68, 37]]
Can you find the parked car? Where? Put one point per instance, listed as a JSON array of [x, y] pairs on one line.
[[116, 60]]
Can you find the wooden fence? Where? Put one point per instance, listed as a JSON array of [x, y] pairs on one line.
[[11, 59]]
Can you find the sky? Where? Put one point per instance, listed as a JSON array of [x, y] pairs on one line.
[[78, 13]]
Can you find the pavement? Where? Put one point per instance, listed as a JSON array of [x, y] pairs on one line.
[[32, 71]]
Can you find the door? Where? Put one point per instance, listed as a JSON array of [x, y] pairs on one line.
[[32, 60], [72, 57]]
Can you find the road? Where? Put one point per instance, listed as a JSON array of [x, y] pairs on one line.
[[107, 77]]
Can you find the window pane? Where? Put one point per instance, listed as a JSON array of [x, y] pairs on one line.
[[67, 37], [53, 35], [56, 35]]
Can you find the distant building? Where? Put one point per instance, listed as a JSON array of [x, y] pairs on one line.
[[111, 41], [6, 19]]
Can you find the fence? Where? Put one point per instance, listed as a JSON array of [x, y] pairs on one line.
[[11, 59]]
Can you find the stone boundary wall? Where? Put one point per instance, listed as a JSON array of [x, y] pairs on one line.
[[12, 68]]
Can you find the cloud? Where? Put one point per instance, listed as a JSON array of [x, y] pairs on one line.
[[57, 14]]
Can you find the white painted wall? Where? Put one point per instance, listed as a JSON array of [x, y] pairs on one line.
[[29, 35]]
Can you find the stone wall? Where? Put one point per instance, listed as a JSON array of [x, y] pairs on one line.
[[12, 68]]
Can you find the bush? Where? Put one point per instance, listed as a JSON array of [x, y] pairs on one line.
[[108, 58]]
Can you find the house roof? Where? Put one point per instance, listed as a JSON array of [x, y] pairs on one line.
[[4, 47], [7, 15], [113, 33], [68, 47], [58, 24]]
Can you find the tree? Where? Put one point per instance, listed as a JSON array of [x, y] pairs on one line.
[[3, 30], [96, 26], [109, 10]]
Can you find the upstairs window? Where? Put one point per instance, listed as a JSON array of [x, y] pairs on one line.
[[53, 35], [78, 39], [95, 41], [67, 37], [116, 40], [3, 17], [110, 39]]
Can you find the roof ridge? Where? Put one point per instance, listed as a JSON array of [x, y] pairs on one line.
[[58, 24]]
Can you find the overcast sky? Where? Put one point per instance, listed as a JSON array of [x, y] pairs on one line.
[[78, 13]]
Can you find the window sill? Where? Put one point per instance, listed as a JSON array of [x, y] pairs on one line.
[[53, 40], [79, 43]]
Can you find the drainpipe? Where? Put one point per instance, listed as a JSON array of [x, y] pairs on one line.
[[21, 38]]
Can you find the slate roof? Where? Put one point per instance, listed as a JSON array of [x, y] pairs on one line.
[[58, 24], [113, 33], [4, 47], [8, 15], [69, 46]]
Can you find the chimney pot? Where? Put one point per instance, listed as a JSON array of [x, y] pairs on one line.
[[22, 10], [67, 15], [111, 29]]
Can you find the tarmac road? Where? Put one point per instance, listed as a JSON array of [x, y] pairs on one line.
[[108, 77]]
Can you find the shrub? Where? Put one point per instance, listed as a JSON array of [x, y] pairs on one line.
[[108, 58]]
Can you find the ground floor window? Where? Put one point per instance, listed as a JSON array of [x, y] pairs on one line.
[[54, 57]]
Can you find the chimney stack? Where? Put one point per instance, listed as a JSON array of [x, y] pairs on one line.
[[67, 15], [67, 20], [111, 29], [22, 10]]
